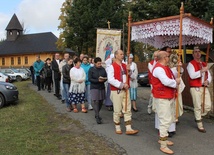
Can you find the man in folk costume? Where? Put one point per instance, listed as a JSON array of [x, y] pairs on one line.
[[117, 79], [164, 90], [199, 77], [172, 127], [151, 65]]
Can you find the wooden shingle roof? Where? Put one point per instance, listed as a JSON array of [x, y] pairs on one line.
[[30, 43], [14, 24]]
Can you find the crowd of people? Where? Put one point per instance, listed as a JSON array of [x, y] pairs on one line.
[[78, 80], [166, 86]]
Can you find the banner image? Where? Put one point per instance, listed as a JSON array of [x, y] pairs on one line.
[[108, 41]]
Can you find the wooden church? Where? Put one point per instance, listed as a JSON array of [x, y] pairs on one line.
[[20, 50]]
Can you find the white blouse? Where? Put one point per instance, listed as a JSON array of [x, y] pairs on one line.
[[77, 74]]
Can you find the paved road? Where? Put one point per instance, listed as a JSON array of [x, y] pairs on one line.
[[188, 141]]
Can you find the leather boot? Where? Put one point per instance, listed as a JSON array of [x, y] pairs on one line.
[[200, 127], [130, 131], [168, 142], [164, 148], [118, 129]]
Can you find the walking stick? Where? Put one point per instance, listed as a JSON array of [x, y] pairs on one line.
[[179, 55], [205, 75], [128, 53]]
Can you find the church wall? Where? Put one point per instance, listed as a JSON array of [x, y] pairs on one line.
[[26, 60]]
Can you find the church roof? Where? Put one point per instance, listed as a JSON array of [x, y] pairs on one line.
[[14, 24], [30, 43]]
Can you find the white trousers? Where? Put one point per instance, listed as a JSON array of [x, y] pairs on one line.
[[119, 100], [172, 127], [197, 97], [166, 114]]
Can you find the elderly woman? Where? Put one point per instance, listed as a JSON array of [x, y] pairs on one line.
[[77, 86], [97, 76], [133, 83]]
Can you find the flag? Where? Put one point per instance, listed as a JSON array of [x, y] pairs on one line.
[[108, 41]]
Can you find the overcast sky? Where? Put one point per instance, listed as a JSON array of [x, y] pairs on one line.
[[37, 15]]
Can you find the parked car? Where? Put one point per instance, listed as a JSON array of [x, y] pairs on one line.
[[143, 78], [11, 78], [24, 70], [8, 93], [4, 77], [14, 72]]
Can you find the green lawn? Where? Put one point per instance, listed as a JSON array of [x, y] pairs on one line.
[[33, 127]]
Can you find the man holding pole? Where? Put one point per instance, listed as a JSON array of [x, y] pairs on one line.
[[164, 90], [199, 79], [120, 98], [151, 65]]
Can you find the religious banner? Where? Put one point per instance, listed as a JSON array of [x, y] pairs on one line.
[[108, 41]]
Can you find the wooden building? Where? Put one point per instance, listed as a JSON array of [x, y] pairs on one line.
[[20, 50]]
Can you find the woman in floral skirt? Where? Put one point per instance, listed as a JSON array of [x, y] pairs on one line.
[[77, 86]]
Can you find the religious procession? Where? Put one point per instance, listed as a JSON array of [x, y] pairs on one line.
[[109, 80]]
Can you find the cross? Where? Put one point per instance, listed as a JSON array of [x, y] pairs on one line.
[[108, 24]]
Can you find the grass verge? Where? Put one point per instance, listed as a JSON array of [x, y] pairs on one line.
[[33, 127]]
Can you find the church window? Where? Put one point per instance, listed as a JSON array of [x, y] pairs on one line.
[[26, 60], [3, 61], [12, 61], [19, 60]]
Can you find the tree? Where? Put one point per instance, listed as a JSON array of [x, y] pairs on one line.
[[80, 18], [63, 40]]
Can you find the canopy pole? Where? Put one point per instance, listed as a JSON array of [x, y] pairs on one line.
[[205, 75], [179, 55], [128, 53]]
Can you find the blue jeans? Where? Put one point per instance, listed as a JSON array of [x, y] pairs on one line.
[[62, 91], [66, 87], [88, 94]]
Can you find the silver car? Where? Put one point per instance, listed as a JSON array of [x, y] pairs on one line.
[[14, 72], [8, 93]]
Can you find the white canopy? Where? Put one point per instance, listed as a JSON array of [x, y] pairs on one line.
[[165, 31]]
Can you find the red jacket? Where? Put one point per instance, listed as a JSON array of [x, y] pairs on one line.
[[118, 73], [196, 82], [159, 90]]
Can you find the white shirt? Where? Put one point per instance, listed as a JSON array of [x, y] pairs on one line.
[[57, 61], [111, 78], [160, 73], [195, 75], [150, 66]]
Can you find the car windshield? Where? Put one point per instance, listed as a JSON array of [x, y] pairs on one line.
[[14, 70], [3, 73]]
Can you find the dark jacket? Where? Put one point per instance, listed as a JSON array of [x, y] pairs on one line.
[[48, 71], [55, 68], [93, 76], [66, 73]]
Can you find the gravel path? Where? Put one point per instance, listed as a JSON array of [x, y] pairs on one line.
[[188, 141]]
